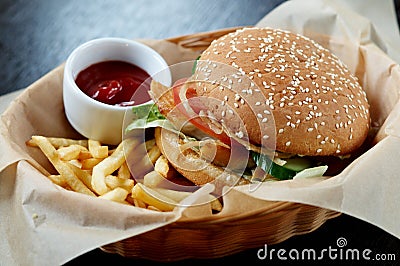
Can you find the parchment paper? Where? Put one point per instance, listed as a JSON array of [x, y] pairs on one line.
[[50, 225]]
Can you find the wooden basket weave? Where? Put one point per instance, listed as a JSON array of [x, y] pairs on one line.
[[221, 237]]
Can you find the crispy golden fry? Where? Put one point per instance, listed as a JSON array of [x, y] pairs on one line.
[[178, 196], [83, 155], [139, 203], [105, 168], [154, 153], [117, 194], [123, 171], [59, 142], [114, 182], [173, 194], [111, 151], [150, 144], [150, 207], [163, 167], [88, 164], [58, 180], [83, 175], [97, 150], [215, 203], [77, 163], [70, 152], [152, 179], [63, 168], [153, 198]]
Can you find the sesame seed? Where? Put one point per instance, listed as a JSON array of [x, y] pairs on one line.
[[239, 134]]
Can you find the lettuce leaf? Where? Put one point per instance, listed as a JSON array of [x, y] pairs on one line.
[[148, 116]]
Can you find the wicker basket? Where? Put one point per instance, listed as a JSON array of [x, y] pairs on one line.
[[221, 237]]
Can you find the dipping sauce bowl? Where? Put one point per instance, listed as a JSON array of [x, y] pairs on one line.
[[109, 67]]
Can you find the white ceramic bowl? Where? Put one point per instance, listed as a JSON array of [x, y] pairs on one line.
[[94, 119]]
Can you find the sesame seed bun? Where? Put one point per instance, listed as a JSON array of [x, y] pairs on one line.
[[318, 106]]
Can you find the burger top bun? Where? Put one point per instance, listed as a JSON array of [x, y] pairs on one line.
[[318, 106]]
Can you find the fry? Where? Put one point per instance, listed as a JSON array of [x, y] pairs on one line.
[[117, 194], [114, 182], [97, 150], [83, 155], [163, 167], [88, 164], [139, 203], [123, 171], [70, 152], [77, 163], [150, 207], [178, 196], [153, 198], [154, 153], [58, 180], [152, 179], [83, 175], [59, 142], [150, 144], [105, 168], [63, 168], [215, 203], [173, 194]]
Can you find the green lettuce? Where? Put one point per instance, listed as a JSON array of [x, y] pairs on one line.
[[147, 116]]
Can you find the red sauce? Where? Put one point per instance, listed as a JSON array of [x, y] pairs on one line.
[[115, 83]]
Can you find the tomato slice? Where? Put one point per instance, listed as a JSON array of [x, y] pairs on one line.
[[196, 106]]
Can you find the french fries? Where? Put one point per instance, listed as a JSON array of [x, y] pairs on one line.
[[153, 179], [107, 167], [153, 198], [163, 167], [63, 168], [123, 171], [117, 194], [88, 167], [60, 142], [97, 150], [69, 153]]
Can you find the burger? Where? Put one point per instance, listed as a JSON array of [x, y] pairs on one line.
[[261, 104]]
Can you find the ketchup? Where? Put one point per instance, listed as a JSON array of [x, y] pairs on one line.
[[115, 82]]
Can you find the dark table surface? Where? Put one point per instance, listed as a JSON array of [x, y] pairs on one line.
[[38, 35]]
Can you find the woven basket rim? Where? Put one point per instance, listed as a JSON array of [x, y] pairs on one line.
[[201, 40]]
